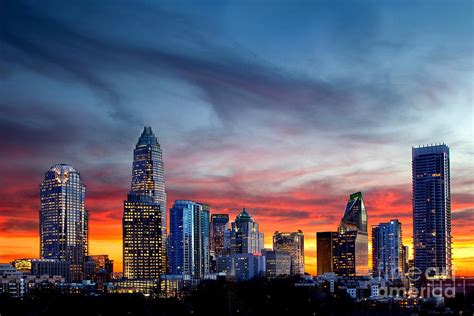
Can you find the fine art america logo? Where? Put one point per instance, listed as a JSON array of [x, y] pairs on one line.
[[434, 282]]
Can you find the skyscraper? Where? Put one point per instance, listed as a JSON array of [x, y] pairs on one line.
[[324, 251], [387, 250], [143, 246], [189, 239], [144, 217], [293, 243], [245, 236], [350, 248], [63, 218], [355, 216], [432, 209], [219, 224]]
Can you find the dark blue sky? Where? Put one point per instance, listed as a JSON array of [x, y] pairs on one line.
[[285, 107]]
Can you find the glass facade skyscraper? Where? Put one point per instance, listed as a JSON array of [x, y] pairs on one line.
[[148, 172], [293, 243], [144, 217], [387, 250], [245, 236], [219, 224], [432, 209], [63, 218], [350, 246], [143, 247], [355, 216], [188, 245]]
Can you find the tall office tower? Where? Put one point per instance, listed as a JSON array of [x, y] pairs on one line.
[[293, 243], [143, 245], [432, 209], [219, 224], [148, 172], [344, 255], [189, 239], [350, 250], [144, 217], [324, 251], [63, 219], [204, 227], [387, 250], [245, 237]]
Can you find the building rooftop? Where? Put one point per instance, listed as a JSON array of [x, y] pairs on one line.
[[62, 168], [430, 149], [244, 216], [147, 138]]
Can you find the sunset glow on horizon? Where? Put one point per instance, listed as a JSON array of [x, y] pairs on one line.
[[105, 213]]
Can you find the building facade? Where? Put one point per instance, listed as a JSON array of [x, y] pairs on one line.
[[247, 266], [245, 236], [405, 258], [219, 224], [143, 248], [387, 250], [99, 267], [15, 283], [144, 217], [277, 263], [188, 241], [148, 172], [350, 254], [432, 238], [224, 265], [48, 267], [63, 218], [324, 251], [293, 243], [350, 247]]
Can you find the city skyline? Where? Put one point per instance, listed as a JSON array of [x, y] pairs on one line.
[[286, 133], [344, 219]]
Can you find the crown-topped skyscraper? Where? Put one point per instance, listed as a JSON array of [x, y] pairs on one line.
[[144, 218], [148, 172], [63, 218], [350, 251], [355, 216]]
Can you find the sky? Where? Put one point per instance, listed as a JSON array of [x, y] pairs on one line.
[[282, 107]]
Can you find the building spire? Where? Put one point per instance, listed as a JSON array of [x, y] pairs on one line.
[[147, 138]]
